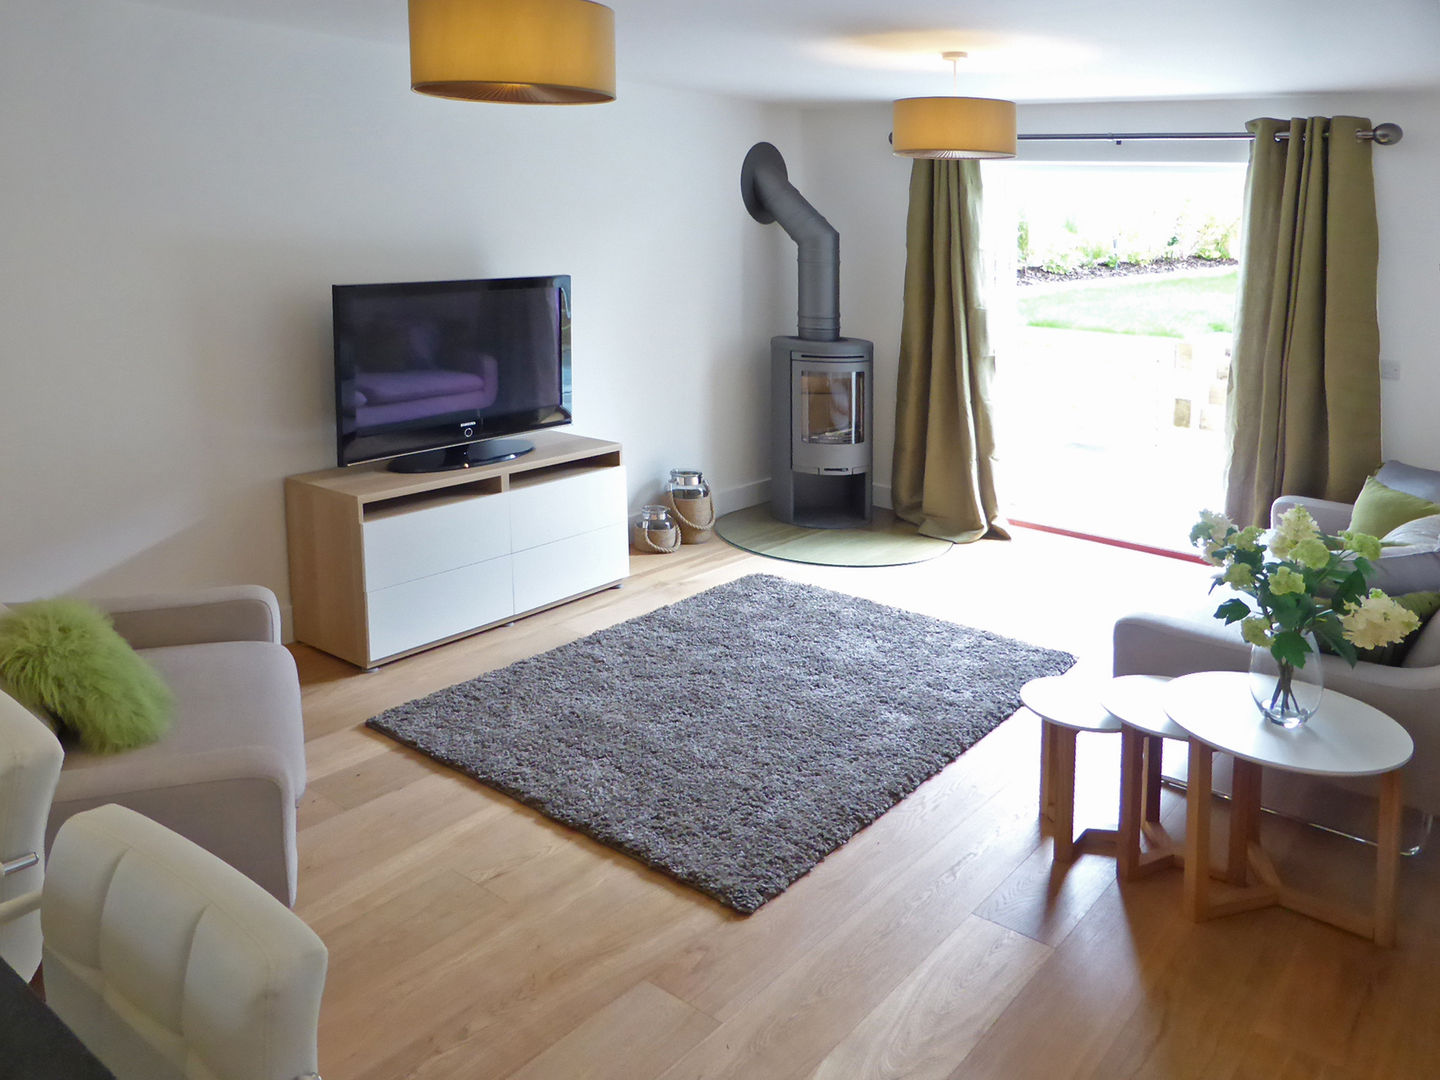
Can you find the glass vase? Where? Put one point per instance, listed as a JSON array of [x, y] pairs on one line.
[[1287, 695]]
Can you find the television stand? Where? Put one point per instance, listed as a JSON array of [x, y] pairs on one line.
[[384, 564], [464, 456]]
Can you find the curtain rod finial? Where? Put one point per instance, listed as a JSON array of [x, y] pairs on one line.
[[1388, 134]]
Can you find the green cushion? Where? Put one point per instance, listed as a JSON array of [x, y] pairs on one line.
[[64, 656], [1380, 509]]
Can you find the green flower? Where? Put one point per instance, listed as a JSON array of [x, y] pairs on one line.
[[1311, 554], [1238, 576], [1211, 526], [1378, 620], [1296, 526], [1256, 630], [1248, 539], [1363, 544], [1284, 580]]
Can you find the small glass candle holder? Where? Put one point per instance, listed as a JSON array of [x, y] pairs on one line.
[[653, 531]]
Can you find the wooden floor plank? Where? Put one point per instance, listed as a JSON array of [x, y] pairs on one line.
[[787, 1028], [640, 1033], [928, 1023], [725, 967]]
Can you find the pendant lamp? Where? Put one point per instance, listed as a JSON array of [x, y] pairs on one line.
[[531, 52], [953, 127]]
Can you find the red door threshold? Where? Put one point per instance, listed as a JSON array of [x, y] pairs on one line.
[[1183, 556]]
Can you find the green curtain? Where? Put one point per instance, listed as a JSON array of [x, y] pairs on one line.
[[943, 469], [1304, 395]]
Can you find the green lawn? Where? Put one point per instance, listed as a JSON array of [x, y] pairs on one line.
[[1181, 306]]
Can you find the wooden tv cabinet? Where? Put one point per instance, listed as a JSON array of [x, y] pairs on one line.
[[385, 564]]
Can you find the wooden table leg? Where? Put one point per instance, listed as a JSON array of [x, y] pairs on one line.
[[1062, 787], [1387, 862], [1197, 832], [1244, 820], [1154, 762], [1047, 771], [1132, 779]]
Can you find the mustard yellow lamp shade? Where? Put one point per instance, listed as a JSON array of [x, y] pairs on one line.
[[532, 52], [953, 127]]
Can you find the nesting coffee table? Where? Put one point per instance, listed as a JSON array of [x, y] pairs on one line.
[[1345, 738], [1066, 706]]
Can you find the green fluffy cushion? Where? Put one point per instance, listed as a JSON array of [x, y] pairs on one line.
[[1379, 509], [64, 656]]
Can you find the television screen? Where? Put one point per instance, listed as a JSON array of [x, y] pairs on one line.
[[433, 365]]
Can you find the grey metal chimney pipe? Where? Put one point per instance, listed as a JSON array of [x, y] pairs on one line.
[[769, 196]]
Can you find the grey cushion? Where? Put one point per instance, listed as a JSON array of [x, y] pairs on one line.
[[1411, 479], [1415, 565], [1414, 537], [228, 695]]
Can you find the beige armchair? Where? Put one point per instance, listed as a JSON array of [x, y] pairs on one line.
[[29, 767], [169, 964], [229, 773]]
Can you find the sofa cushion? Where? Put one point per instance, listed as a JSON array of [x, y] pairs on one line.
[[1381, 508], [65, 656], [1410, 479], [1413, 565], [228, 695]]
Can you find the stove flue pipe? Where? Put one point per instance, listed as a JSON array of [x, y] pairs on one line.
[[769, 196]]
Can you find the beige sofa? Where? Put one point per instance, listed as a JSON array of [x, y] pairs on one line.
[[230, 771], [1178, 643]]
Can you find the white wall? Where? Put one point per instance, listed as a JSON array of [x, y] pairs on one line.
[[179, 193], [863, 189]]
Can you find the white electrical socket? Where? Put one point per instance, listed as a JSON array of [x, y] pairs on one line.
[[1389, 369]]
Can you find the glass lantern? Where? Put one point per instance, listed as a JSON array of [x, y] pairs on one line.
[[654, 531], [688, 495]]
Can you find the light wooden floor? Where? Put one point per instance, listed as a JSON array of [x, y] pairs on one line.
[[470, 937]]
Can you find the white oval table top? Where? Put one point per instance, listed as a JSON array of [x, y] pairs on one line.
[[1345, 737], [1136, 700], [1070, 701]]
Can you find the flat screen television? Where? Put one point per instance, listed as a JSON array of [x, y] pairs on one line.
[[432, 374]]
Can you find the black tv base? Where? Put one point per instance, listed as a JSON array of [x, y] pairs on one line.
[[465, 456]]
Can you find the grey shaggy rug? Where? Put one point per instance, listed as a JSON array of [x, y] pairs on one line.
[[733, 739]]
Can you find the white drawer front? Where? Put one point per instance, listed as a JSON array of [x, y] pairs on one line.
[[567, 567], [567, 506], [431, 540], [415, 613]]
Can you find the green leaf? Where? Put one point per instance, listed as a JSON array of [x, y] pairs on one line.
[[1330, 632], [1232, 611], [1290, 647], [1293, 610], [1350, 590], [1254, 559]]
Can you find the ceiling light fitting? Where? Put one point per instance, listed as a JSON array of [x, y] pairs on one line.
[[529, 52], [953, 127]]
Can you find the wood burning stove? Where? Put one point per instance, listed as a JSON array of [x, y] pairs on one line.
[[822, 385]]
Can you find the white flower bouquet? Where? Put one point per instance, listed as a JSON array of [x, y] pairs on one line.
[[1304, 584]]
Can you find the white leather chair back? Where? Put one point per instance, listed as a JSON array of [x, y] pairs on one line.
[[168, 963], [30, 759]]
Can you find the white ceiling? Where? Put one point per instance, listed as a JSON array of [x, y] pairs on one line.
[[1028, 50]]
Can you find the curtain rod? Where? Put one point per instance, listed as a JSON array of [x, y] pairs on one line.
[[1381, 134]]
